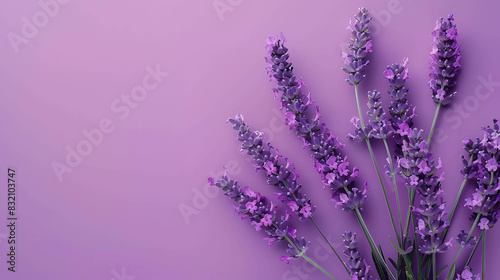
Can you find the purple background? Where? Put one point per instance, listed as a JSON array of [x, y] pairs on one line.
[[117, 213]]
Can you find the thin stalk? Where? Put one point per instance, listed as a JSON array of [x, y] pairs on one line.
[[372, 242], [434, 123], [323, 235], [302, 254], [473, 251], [484, 255], [376, 166], [434, 266], [459, 194], [454, 206], [395, 184], [468, 238], [329, 244], [411, 198]]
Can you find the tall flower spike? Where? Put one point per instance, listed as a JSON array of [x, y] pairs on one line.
[[420, 171], [445, 60], [355, 61], [262, 215], [486, 170], [280, 172], [401, 113], [328, 160], [359, 268]]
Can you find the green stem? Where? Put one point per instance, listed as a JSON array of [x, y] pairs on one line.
[[459, 251], [395, 184], [376, 166], [434, 266], [372, 242], [323, 235], [473, 250], [484, 255], [433, 124], [329, 244], [459, 194], [302, 254]]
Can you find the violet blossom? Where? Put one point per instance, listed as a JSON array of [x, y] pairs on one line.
[[467, 275], [421, 172], [484, 169], [262, 215], [333, 167], [280, 172], [358, 267], [356, 61], [445, 60]]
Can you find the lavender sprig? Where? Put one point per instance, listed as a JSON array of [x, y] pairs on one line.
[[445, 65], [400, 111], [359, 268], [280, 172], [329, 162], [445, 60], [485, 202], [356, 61], [262, 214], [420, 171]]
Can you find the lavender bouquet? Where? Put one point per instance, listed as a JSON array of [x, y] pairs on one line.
[[421, 231]]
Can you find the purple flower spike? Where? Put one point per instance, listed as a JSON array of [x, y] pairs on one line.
[[445, 60], [420, 171], [262, 215], [377, 128], [280, 172], [334, 168], [484, 159], [358, 267], [380, 129], [355, 61], [401, 113]]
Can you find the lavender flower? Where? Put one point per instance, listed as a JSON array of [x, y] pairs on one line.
[[280, 172], [377, 128], [419, 169], [464, 241], [445, 60], [401, 113], [262, 214], [359, 269], [485, 169], [329, 162], [355, 61], [467, 275]]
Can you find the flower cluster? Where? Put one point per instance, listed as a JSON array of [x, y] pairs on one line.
[[262, 215], [358, 267], [356, 61], [329, 162], [467, 275], [401, 113], [280, 172], [463, 240], [445, 60], [485, 169], [378, 127], [419, 169]]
